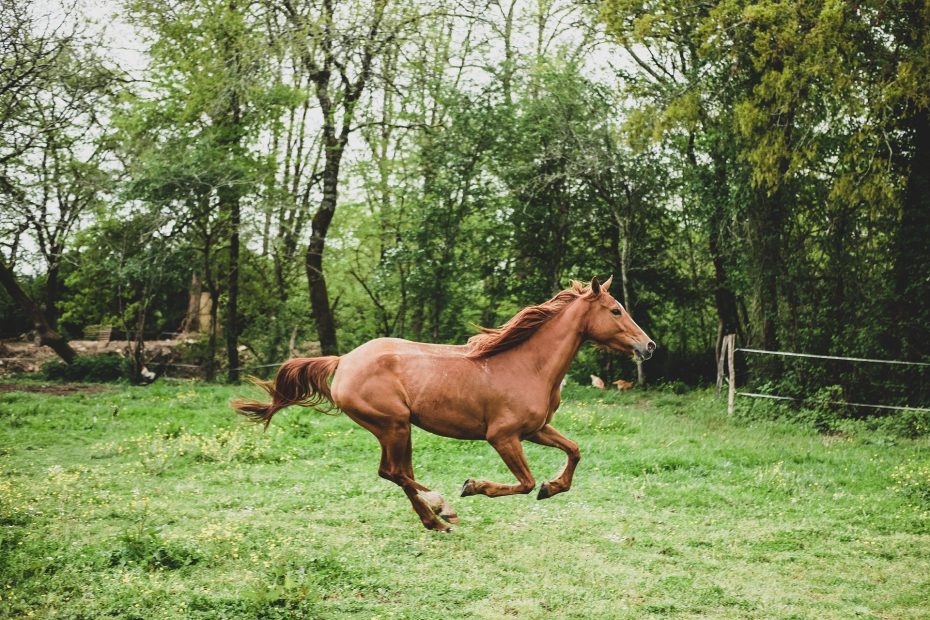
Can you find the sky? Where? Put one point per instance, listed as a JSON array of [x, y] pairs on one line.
[[120, 40]]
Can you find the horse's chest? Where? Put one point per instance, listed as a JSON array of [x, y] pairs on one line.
[[540, 413]]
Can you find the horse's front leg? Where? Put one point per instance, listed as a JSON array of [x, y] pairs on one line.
[[548, 436], [511, 451]]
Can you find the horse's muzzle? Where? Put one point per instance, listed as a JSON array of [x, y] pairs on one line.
[[644, 353]]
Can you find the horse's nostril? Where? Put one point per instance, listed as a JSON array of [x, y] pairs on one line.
[[651, 346]]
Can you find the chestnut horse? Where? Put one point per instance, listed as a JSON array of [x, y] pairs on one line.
[[503, 386]]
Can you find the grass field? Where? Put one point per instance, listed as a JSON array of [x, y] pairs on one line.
[[157, 502]]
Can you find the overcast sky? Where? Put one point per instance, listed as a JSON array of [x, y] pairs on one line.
[[119, 40]]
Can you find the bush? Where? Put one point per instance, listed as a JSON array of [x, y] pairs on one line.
[[909, 423], [108, 367]]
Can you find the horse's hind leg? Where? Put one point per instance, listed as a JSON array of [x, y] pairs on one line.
[[397, 466], [435, 501], [511, 452], [393, 433], [548, 436]]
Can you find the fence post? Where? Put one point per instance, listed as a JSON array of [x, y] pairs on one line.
[[731, 396], [721, 357]]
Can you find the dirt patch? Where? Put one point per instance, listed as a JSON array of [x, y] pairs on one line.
[[60, 389], [20, 356]]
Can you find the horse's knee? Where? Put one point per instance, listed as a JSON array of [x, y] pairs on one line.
[[526, 486], [574, 454]]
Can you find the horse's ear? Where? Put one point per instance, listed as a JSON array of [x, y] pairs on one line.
[[595, 286], [607, 283]]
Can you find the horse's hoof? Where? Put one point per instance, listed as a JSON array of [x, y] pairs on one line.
[[544, 491], [468, 488], [436, 526]]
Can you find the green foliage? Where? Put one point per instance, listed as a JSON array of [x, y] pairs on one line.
[[909, 423], [133, 273], [91, 368], [13, 320]]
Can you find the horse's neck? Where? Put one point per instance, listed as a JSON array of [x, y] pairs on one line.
[[552, 348]]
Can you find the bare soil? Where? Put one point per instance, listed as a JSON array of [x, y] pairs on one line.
[[18, 356], [62, 389]]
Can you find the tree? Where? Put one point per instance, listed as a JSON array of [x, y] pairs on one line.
[[133, 269], [51, 149], [211, 64], [338, 50]]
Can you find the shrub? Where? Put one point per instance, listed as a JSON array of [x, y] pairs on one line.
[[908, 423], [107, 367]]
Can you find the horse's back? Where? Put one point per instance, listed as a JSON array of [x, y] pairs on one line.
[[386, 350], [396, 376], [394, 362]]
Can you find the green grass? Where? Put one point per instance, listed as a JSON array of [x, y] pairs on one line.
[[157, 502]]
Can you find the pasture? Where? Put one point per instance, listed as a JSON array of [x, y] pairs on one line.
[[158, 502]]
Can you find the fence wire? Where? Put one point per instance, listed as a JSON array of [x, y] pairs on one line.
[[832, 402]]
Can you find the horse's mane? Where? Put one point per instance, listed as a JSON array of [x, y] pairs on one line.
[[523, 324]]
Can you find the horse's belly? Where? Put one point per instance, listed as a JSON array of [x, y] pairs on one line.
[[450, 423]]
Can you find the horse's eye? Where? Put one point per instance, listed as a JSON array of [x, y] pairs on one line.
[[615, 312]]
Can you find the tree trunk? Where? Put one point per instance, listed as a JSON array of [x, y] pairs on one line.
[[912, 249], [724, 298], [624, 231], [229, 202], [209, 280], [210, 371], [509, 63], [319, 294], [767, 217], [334, 143], [766, 235], [232, 293], [45, 335], [716, 191], [137, 348], [52, 293], [191, 323]]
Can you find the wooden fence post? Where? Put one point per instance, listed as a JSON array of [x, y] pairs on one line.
[[731, 396], [721, 357]]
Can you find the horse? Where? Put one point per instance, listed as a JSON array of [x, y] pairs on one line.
[[503, 386]]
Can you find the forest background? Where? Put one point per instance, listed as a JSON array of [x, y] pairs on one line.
[[334, 171]]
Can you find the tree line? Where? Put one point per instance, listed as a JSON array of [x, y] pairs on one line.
[[341, 170]]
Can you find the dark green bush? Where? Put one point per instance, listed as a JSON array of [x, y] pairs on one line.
[[107, 367], [909, 423]]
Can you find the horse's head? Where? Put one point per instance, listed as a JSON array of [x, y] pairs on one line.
[[609, 325]]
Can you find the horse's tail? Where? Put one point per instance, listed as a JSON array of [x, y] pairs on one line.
[[301, 381]]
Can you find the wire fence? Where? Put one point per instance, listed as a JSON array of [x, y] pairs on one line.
[[830, 402], [833, 357]]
